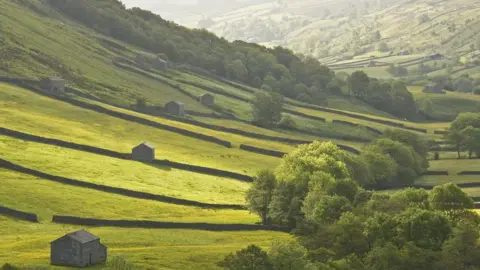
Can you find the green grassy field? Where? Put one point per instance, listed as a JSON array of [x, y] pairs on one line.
[[55, 45], [277, 132], [431, 127], [236, 140], [440, 180], [28, 244], [77, 48], [123, 173], [449, 105], [45, 198], [454, 166], [28, 112]]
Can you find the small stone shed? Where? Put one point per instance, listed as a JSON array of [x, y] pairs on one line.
[[404, 52], [207, 99], [53, 85], [434, 88], [144, 152], [435, 56], [77, 249], [175, 108]]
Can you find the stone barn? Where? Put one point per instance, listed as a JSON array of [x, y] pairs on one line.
[[436, 56], [207, 99], [404, 52], [53, 85], [77, 249], [144, 152], [175, 108], [434, 88], [160, 64]]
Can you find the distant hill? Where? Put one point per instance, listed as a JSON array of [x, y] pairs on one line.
[[335, 30]]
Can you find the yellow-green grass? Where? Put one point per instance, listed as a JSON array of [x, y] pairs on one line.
[[376, 72], [355, 106], [454, 166], [332, 116], [77, 48], [122, 173], [418, 91], [28, 112], [447, 106], [329, 128], [277, 132], [302, 122], [448, 155], [212, 83], [435, 180], [239, 108], [29, 244], [430, 126], [45, 198], [236, 140], [333, 101]]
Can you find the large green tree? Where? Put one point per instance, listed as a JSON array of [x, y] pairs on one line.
[[267, 108], [464, 133], [450, 199], [250, 258], [260, 193], [358, 84]]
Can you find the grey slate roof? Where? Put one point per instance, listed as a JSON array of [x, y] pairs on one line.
[[82, 236], [176, 102], [147, 144]]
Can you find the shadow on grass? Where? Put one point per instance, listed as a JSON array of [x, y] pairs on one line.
[[157, 166]]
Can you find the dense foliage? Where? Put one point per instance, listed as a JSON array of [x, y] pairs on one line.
[[339, 225], [276, 69], [464, 134], [267, 109]]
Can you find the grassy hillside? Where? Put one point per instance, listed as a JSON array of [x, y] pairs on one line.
[[340, 28], [39, 40], [446, 106], [30, 113], [46, 199], [27, 244], [121, 173]]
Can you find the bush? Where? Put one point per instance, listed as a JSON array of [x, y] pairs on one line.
[[287, 123], [252, 257], [436, 156], [8, 266]]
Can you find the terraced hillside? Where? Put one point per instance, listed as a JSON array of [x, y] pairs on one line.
[[68, 156], [331, 30]]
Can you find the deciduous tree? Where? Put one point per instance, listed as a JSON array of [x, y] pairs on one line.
[[260, 193]]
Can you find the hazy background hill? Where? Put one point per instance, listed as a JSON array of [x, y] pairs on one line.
[[339, 30]]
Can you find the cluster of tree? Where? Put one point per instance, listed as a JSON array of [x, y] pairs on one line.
[[393, 161], [276, 69], [338, 225], [267, 109], [252, 64], [464, 83], [397, 71], [464, 134], [409, 229], [388, 96]]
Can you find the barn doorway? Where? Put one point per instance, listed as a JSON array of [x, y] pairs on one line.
[[90, 259]]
